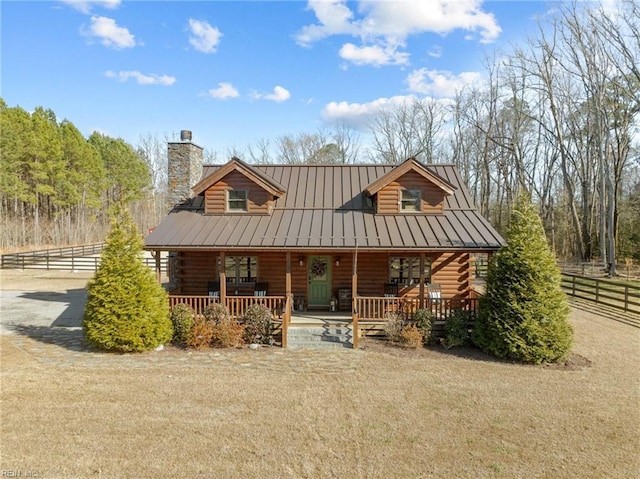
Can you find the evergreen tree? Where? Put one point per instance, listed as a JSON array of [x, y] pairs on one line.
[[127, 174], [127, 309], [523, 315]]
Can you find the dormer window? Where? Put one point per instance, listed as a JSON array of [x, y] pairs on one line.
[[237, 201], [410, 200]]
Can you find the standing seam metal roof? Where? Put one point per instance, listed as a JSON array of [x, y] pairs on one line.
[[325, 207]]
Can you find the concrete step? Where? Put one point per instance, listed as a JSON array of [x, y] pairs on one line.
[[319, 345], [320, 337]]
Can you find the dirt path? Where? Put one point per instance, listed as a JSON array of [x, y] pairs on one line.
[[42, 280]]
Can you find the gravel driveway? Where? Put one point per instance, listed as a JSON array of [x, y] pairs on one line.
[[41, 299]]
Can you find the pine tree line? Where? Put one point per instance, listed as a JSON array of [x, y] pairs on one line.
[[57, 187]]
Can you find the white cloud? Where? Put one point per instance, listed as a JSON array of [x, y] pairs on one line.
[[85, 6], [375, 55], [384, 26], [279, 95], [334, 17], [141, 78], [435, 51], [408, 17], [204, 37], [110, 34], [440, 83], [224, 90], [359, 115]]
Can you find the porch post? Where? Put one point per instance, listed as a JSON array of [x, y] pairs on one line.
[[354, 295], [422, 278], [287, 281], [287, 301], [156, 255], [223, 280]]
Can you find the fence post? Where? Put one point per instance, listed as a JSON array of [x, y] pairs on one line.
[[626, 297], [597, 290]]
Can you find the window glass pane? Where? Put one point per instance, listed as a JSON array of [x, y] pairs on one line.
[[230, 268], [406, 270], [415, 270], [248, 269], [399, 270], [241, 269], [237, 200], [410, 200]]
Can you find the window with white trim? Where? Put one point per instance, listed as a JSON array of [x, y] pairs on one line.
[[406, 270], [241, 269], [410, 200], [237, 201]]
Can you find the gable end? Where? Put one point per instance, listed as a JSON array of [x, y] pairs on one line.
[[410, 188], [216, 197], [390, 198]]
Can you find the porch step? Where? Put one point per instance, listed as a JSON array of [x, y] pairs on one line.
[[317, 337]]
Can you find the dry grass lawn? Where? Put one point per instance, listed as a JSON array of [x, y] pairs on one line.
[[385, 413]]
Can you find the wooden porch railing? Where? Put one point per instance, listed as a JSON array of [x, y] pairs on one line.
[[197, 303], [237, 305], [280, 307], [371, 308], [381, 308]]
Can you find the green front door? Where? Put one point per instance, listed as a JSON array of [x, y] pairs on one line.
[[319, 281]]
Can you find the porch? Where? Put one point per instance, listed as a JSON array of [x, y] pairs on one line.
[[368, 316]]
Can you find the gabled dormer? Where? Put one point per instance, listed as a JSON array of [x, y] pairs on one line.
[[238, 188], [410, 188]]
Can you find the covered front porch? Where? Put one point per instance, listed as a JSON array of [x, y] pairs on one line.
[[363, 288]]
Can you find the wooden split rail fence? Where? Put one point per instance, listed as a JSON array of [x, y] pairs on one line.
[[72, 258], [616, 294]]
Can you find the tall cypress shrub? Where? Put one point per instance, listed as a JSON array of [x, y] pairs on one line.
[[523, 315], [127, 308]]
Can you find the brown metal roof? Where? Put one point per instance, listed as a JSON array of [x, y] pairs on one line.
[[325, 207]]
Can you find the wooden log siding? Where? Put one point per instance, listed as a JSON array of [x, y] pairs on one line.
[[432, 197], [451, 270], [454, 274], [197, 268], [194, 270], [258, 200]]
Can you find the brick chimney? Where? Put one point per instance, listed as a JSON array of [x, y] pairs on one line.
[[185, 168]]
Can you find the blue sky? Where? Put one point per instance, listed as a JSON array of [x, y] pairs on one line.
[[235, 72]]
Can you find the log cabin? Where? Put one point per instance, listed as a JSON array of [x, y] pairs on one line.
[[357, 239]]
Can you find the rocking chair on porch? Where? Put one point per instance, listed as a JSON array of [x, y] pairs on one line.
[[260, 289], [434, 292], [214, 288], [391, 306], [391, 290]]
